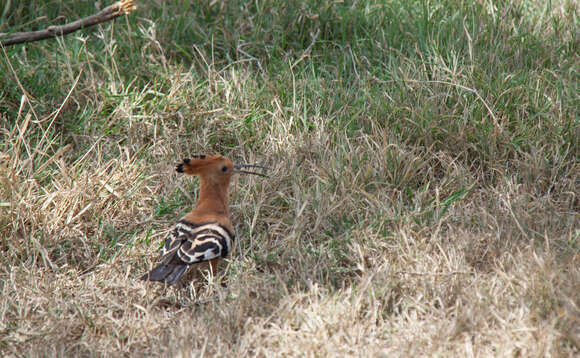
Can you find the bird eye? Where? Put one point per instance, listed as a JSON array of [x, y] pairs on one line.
[[224, 169]]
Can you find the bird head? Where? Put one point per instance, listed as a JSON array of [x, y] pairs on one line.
[[216, 168]]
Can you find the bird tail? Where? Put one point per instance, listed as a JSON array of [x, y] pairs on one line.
[[165, 273]]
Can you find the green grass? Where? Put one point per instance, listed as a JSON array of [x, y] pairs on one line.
[[423, 199]]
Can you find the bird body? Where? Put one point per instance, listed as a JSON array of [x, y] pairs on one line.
[[206, 233]]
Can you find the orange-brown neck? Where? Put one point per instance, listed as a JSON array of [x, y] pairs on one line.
[[213, 198]]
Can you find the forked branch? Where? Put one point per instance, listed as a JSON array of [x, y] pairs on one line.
[[119, 8]]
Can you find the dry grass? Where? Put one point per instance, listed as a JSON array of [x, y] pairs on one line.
[[424, 197]]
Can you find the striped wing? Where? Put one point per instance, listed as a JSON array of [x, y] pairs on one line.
[[190, 243]]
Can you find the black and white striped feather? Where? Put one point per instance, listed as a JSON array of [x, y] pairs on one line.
[[189, 244]]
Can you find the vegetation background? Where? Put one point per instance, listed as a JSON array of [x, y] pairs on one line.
[[425, 188]]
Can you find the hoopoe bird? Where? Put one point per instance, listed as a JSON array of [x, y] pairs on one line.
[[206, 233]]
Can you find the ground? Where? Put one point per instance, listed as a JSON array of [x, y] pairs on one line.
[[423, 198]]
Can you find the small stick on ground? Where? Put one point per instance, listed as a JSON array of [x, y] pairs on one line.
[[119, 8]]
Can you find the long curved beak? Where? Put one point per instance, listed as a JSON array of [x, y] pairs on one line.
[[239, 168]]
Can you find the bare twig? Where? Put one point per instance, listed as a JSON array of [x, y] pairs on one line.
[[119, 8]]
